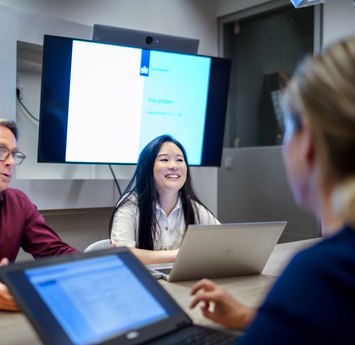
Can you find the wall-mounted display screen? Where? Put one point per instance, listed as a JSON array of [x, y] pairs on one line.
[[102, 103]]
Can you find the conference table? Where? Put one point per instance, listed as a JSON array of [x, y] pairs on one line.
[[15, 329]]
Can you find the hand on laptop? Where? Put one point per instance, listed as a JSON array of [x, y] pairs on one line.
[[7, 302], [219, 306]]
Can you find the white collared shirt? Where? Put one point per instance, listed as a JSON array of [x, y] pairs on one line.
[[170, 231]]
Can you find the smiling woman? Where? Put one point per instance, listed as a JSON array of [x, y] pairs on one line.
[[169, 175], [159, 203]]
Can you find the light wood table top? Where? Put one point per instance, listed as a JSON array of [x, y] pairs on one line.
[[249, 290], [15, 329]]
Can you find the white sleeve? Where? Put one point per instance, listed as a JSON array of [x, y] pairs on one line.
[[125, 225], [206, 217]]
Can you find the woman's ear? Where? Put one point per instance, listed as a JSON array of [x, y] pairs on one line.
[[307, 144]]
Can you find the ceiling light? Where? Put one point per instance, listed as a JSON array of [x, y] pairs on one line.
[[304, 3]]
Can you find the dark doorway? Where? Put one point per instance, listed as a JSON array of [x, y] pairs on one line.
[[265, 49]]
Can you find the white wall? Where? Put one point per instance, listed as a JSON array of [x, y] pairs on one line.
[[28, 20], [190, 18], [338, 20]]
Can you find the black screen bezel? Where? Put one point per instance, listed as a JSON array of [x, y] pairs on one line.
[[55, 86]]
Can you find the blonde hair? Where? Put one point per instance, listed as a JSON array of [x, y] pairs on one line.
[[323, 91], [343, 200]]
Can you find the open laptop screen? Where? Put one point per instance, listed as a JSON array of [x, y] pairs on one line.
[[93, 298], [90, 303]]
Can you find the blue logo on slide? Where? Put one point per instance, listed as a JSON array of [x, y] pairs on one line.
[[145, 59]]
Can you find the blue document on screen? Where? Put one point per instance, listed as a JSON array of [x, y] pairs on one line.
[[153, 90]]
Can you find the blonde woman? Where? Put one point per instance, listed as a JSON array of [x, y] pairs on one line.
[[313, 301]]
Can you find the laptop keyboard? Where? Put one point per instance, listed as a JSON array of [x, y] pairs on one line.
[[164, 270], [207, 336]]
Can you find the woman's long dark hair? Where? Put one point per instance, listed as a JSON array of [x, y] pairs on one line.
[[142, 183]]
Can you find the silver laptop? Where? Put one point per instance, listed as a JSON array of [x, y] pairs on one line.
[[211, 251]]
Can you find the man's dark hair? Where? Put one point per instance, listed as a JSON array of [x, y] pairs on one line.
[[11, 125]]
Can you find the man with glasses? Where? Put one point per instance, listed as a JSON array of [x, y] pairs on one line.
[[21, 225]]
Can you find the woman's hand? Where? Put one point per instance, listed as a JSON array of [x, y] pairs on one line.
[[7, 302], [219, 306]]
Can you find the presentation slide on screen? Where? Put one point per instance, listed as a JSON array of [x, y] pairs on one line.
[[121, 98], [94, 299]]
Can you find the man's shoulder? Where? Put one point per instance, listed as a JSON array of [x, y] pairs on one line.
[[13, 191], [14, 194]]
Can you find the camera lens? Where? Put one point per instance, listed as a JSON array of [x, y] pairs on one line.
[[149, 39]]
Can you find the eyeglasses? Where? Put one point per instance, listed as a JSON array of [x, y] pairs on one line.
[[17, 156]]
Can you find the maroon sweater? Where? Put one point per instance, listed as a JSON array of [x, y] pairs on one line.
[[21, 225]]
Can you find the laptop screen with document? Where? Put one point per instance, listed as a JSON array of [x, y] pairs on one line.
[[70, 290], [100, 297]]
